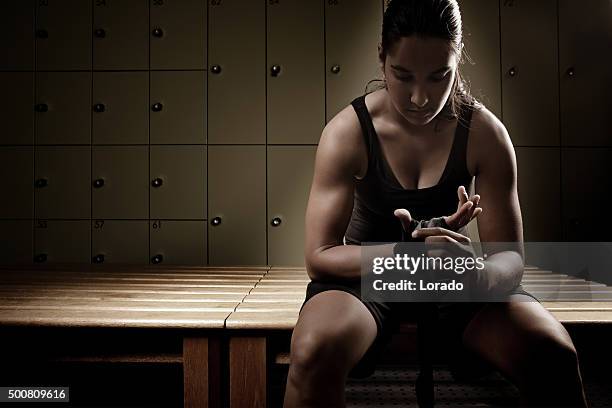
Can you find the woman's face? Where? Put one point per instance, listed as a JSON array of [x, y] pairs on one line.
[[420, 73]]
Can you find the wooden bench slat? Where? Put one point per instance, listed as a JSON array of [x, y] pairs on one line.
[[137, 297], [167, 291], [116, 305]]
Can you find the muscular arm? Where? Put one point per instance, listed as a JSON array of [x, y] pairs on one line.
[[330, 203], [500, 221]]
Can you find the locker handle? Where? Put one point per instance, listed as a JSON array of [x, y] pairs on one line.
[[157, 182], [42, 33], [275, 70], [157, 32], [100, 33], [157, 259], [570, 72], [42, 107], [335, 69], [512, 72], [40, 258], [215, 221], [41, 182], [98, 258], [98, 183], [156, 107], [99, 107], [276, 221], [215, 69]]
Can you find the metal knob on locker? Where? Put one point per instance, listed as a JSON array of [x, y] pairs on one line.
[[40, 258], [157, 259], [335, 69], [99, 107], [41, 182], [98, 258], [100, 33], [570, 72], [215, 221], [275, 70], [158, 32], [157, 182], [215, 69], [512, 72], [98, 183], [41, 107], [276, 221], [157, 107]]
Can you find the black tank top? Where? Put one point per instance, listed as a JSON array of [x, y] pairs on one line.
[[379, 193]]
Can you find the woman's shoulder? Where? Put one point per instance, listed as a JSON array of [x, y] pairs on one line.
[[341, 142]]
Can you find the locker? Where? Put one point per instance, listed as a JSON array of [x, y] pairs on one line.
[[63, 108], [17, 164], [16, 107], [178, 242], [529, 62], [178, 107], [296, 82], [352, 34], [120, 241], [120, 108], [237, 72], [237, 205], [16, 242], [62, 182], [17, 42], [585, 40], [121, 34], [178, 182], [178, 33], [539, 189], [120, 182], [586, 193], [63, 35], [66, 241], [287, 200], [481, 34]]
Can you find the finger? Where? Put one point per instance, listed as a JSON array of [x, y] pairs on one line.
[[457, 220], [463, 197], [439, 239], [428, 232], [404, 217], [477, 211]]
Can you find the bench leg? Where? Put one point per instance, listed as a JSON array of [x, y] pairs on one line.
[[247, 370], [201, 372]]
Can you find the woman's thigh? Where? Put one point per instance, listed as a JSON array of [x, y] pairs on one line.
[[332, 325], [519, 338]]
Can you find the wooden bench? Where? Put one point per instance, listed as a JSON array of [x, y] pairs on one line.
[[272, 307], [114, 311]]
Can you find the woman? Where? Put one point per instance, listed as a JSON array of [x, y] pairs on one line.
[[407, 150]]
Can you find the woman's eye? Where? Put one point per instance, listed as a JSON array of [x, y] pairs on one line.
[[404, 79], [439, 78]]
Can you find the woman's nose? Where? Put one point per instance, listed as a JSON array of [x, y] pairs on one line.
[[419, 98]]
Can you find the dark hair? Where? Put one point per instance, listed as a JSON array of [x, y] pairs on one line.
[[428, 18]]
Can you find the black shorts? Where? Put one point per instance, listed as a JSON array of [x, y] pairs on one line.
[[452, 321]]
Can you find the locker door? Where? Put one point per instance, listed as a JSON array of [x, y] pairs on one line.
[[352, 34], [121, 34], [296, 84], [237, 205], [120, 108], [16, 242], [66, 241], [63, 108], [539, 189], [62, 182], [178, 107], [178, 242], [586, 193], [16, 107], [178, 182], [236, 75], [120, 182], [529, 63], [16, 163], [178, 34], [17, 42], [585, 41], [287, 200], [481, 33], [63, 35], [120, 242]]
